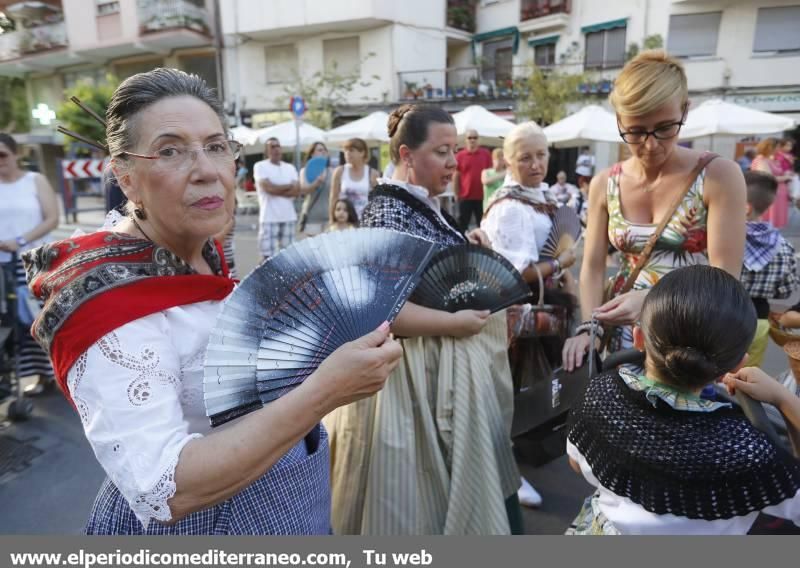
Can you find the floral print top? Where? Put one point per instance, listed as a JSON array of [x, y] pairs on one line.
[[683, 242]]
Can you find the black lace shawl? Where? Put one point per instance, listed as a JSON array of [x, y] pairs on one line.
[[700, 465], [391, 207]]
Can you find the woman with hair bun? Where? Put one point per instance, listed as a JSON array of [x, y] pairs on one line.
[[663, 459], [432, 453], [629, 200]]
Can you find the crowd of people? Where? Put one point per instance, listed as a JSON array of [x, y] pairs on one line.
[[407, 430]]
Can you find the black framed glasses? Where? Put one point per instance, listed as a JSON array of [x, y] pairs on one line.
[[663, 132], [181, 157]]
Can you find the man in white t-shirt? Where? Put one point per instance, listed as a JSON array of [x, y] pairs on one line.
[[277, 184], [584, 166]]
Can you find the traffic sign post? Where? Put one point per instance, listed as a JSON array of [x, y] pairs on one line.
[[70, 170], [298, 107]]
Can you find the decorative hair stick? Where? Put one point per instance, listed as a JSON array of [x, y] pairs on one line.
[[87, 110], [77, 136]]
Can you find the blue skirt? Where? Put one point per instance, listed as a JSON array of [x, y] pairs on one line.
[[291, 498]]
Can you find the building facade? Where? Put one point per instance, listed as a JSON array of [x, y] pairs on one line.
[[57, 43]]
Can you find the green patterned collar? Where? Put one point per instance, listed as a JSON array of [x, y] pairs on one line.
[[676, 398]]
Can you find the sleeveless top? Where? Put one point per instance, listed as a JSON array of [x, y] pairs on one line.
[[21, 210], [355, 191], [683, 242]]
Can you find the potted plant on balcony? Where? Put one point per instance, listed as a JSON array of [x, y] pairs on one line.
[[411, 90], [428, 91]]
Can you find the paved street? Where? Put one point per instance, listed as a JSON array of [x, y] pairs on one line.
[[49, 490]]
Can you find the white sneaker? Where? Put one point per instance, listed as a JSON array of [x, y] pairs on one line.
[[528, 496]]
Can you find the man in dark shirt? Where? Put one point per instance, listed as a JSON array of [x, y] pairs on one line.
[[467, 184]]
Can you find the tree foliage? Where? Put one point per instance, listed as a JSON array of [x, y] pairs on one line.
[[94, 96], [324, 91], [545, 93], [14, 112]]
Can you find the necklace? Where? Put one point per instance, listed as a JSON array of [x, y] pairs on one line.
[[146, 236]]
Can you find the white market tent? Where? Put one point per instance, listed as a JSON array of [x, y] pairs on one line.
[[244, 135], [487, 124], [286, 133], [592, 123], [716, 116], [372, 128]]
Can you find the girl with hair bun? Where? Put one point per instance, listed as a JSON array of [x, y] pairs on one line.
[[663, 459], [431, 454], [629, 200]]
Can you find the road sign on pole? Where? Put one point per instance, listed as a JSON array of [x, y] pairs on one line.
[[297, 106]]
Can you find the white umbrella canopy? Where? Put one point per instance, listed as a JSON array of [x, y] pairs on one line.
[[485, 123], [244, 135], [716, 116], [285, 133], [590, 124], [371, 128]]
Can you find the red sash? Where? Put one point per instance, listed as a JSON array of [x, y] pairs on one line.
[[94, 284]]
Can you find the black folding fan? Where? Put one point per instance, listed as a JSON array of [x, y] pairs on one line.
[[294, 310], [564, 234], [470, 277]]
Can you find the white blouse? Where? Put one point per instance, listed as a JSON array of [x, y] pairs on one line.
[[139, 393], [631, 518], [517, 231]]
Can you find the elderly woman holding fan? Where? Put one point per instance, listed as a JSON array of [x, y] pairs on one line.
[[127, 317]]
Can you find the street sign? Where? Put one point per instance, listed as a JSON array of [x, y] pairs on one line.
[[82, 169], [297, 106]]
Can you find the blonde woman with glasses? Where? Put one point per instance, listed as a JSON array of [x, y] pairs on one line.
[[629, 200]]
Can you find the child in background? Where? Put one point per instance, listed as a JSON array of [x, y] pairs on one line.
[[344, 216], [769, 271], [664, 460], [492, 178]]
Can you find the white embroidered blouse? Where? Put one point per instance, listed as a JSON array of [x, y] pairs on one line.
[[517, 231], [139, 393]]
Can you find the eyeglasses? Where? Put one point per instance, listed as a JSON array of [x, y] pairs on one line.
[[180, 157], [270, 146], [664, 132], [472, 137]]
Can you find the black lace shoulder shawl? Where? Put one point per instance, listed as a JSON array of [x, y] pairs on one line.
[[700, 465], [391, 207]]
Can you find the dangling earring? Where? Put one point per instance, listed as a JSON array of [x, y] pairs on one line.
[[408, 171], [140, 214]]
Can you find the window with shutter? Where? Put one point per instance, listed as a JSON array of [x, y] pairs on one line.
[[777, 29], [693, 34]]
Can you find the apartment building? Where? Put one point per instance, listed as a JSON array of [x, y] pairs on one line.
[[268, 47], [59, 42], [745, 50]]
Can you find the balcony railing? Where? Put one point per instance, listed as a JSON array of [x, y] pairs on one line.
[[158, 15], [461, 15], [473, 82], [27, 41], [530, 9]]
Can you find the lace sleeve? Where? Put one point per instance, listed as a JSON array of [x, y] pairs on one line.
[[511, 233], [127, 391]]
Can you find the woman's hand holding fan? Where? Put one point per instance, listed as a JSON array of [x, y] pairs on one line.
[[300, 307], [356, 370]]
